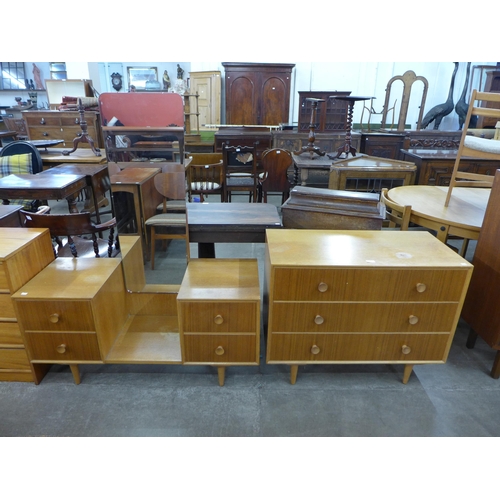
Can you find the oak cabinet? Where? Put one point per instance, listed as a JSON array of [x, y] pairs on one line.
[[257, 94], [361, 297]]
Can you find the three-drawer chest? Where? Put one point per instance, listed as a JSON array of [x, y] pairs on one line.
[[361, 297]]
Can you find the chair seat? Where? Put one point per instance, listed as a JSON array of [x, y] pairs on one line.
[[205, 186], [239, 181], [481, 144], [173, 206], [168, 219]]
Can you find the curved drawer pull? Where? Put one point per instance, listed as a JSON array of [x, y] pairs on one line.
[[42, 121], [218, 320], [421, 287], [219, 350], [319, 320], [413, 320], [54, 318], [405, 349], [315, 349], [322, 287], [61, 349]]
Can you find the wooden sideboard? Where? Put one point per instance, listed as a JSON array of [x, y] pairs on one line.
[[435, 166], [23, 254], [65, 125], [361, 297]]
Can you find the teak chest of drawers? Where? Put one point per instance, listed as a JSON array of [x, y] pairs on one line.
[[23, 254], [219, 313], [361, 297]]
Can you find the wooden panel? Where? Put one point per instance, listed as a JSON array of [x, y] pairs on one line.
[[363, 317], [6, 307], [236, 317], [236, 349], [44, 119], [71, 315], [14, 359], [49, 133], [4, 282], [368, 284], [362, 347], [10, 334], [43, 346]]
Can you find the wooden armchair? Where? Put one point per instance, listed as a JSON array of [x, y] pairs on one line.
[[485, 105], [205, 180], [73, 226], [276, 163], [240, 171]]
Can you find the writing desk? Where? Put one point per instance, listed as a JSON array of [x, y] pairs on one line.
[[463, 217], [43, 187], [140, 183], [211, 223]]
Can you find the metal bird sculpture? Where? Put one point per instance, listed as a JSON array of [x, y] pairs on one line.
[[462, 106], [437, 113]]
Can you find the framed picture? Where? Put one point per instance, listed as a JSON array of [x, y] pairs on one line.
[[142, 77]]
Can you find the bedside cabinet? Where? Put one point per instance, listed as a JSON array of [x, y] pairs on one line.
[[219, 313], [72, 311], [23, 254], [361, 297]]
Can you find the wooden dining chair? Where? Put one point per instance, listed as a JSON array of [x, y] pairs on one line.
[[205, 180], [484, 106], [276, 163], [169, 225], [397, 215], [240, 171], [68, 231]]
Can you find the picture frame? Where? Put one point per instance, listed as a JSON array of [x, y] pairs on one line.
[[139, 75]]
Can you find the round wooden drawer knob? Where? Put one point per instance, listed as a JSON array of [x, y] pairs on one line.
[[218, 320], [322, 287], [413, 320], [61, 349], [219, 350], [315, 349], [54, 318], [421, 287], [319, 320], [405, 349]]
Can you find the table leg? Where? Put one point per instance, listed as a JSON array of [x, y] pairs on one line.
[[73, 209], [304, 174]]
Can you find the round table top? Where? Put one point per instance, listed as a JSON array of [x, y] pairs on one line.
[[465, 210]]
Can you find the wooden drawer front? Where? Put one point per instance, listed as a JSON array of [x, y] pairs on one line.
[[56, 316], [42, 121], [362, 347], [49, 346], [6, 306], [14, 359], [233, 317], [10, 334], [364, 317], [45, 133], [4, 282], [74, 121], [207, 349], [368, 284]]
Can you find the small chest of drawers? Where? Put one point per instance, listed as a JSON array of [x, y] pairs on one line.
[[219, 313], [361, 297]]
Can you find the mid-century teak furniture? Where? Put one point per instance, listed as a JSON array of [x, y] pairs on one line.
[[361, 297]]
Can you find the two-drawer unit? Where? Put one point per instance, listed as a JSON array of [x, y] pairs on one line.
[[72, 311], [23, 254], [219, 313], [361, 297]]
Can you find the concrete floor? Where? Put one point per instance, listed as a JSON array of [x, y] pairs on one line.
[[458, 398]]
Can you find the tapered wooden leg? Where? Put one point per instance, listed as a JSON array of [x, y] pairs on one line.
[[293, 373], [221, 371], [407, 372], [471, 339], [495, 371], [75, 372]]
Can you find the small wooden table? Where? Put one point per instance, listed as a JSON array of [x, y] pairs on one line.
[[43, 187], [463, 217], [7, 134], [54, 156], [140, 183], [9, 216], [302, 165], [211, 223]]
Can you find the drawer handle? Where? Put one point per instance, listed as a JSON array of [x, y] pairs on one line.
[[218, 320], [77, 121], [421, 287], [405, 349], [319, 320], [315, 349], [219, 350], [413, 320], [42, 121], [45, 134], [61, 349], [54, 318], [322, 287]]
